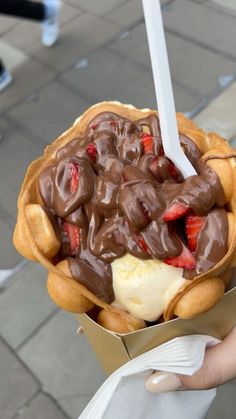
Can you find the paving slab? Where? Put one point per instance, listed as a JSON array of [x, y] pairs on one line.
[[127, 14], [133, 45], [40, 407], [219, 115], [77, 40], [166, 2], [17, 385], [197, 68], [26, 79], [19, 34], [202, 24], [7, 23], [102, 7], [9, 257], [25, 305], [73, 3], [233, 143], [51, 112], [12, 57], [192, 66], [185, 99], [75, 404], [98, 8], [110, 77], [224, 404], [64, 363], [16, 152], [224, 5], [121, 80]]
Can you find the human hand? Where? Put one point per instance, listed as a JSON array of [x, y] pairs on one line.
[[219, 366]]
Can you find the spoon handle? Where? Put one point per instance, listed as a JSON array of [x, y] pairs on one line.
[[163, 87]]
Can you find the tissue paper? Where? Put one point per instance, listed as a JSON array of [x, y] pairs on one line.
[[123, 394]]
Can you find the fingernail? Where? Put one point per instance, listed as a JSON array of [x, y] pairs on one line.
[[161, 382]]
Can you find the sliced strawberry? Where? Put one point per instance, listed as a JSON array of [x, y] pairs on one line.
[[154, 164], [185, 260], [155, 169], [73, 235], [174, 212], [142, 244], [92, 151], [161, 152], [173, 171], [194, 225], [74, 181], [147, 142]]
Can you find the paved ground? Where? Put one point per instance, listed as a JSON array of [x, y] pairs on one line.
[[46, 370]]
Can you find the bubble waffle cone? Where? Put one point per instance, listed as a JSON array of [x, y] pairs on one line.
[[34, 236]]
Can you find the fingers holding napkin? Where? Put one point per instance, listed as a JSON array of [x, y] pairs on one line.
[[123, 395], [219, 367]]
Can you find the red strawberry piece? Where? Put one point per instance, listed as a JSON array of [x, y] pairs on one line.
[[184, 260], [161, 152], [94, 126], [194, 225], [74, 181], [154, 164], [92, 151], [73, 235], [147, 142], [142, 244], [154, 168], [174, 212], [173, 171]]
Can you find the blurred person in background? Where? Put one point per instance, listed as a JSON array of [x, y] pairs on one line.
[[46, 12]]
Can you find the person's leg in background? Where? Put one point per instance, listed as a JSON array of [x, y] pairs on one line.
[[21, 8], [46, 12], [5, 76], [50, 22]]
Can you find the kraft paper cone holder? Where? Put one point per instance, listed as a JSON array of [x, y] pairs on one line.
[[113, 350]]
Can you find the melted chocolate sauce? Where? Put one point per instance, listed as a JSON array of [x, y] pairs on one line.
[[212, 242], [120, 198]]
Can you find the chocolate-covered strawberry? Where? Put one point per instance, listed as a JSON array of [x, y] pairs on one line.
[[118, 190], [112, 217]]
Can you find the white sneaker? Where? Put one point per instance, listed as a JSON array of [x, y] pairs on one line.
[[5, 79], [50, 26]]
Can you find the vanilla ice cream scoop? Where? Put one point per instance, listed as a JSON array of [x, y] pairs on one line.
[[145, 287]]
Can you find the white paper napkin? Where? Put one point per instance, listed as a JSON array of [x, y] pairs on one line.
[[123, 395]]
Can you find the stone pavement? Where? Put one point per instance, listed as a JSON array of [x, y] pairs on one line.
[[47, 371]]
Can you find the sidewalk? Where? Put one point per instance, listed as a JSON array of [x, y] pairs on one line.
[[47, 371]]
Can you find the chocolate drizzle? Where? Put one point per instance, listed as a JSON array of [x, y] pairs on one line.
[[226, 156], [212, 242], [120, 196]]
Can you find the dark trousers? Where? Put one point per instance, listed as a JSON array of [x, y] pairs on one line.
[[22, 8], [1, 66]]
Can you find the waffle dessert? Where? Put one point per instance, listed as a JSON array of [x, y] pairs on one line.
[[117, 226]]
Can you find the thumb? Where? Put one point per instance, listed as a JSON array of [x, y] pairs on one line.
[[219, 366]]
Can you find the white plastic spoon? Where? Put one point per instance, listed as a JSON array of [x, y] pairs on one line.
[[163, 87]]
